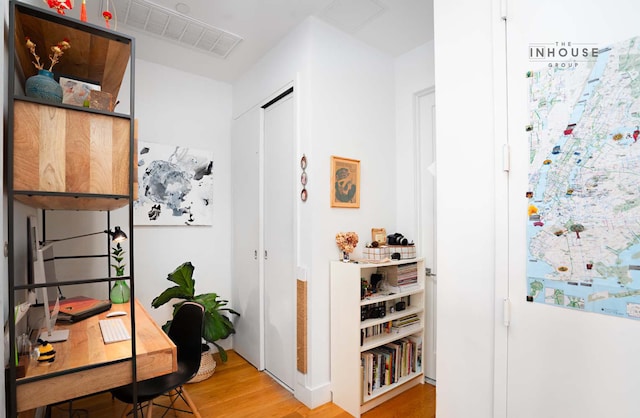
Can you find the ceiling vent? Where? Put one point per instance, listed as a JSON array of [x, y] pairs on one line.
[[172, 26]]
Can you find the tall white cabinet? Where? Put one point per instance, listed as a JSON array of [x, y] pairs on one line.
[[360, 334]]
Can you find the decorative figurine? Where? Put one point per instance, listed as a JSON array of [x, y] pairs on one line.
[[60, 5], [83, 11], [106, 14]]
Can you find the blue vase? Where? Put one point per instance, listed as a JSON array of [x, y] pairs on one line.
[[120, 292], [43, 86]]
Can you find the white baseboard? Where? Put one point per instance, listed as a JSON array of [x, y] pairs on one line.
[[315, 397]]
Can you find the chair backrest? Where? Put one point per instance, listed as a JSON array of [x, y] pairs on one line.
[[186, 334]]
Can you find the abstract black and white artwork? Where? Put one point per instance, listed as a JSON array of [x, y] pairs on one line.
[[175, 185]]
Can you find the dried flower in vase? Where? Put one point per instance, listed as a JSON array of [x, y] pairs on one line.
[[347, 241], [57, 52]]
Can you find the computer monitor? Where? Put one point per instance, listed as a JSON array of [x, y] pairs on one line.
[[32, 246], [44, 272]]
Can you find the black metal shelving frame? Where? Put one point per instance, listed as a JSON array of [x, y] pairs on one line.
[[15, 8]]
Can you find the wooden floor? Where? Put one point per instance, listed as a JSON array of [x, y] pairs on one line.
[[238, 390]]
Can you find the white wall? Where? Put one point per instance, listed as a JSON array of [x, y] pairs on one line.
[[174, 107], [346, 105], [465, 207], [414, 72], [351, 115]]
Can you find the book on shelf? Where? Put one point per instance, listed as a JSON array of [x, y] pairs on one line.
[[367, 367], [417, 360], [405, 321], [388, 363], [403, 288], [394, 349], [374, 331], [363, 392]]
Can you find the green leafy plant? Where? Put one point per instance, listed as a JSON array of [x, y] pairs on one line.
[[117, 254], [217, 324]]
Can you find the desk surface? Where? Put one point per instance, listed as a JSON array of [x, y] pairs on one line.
[[110, 364]]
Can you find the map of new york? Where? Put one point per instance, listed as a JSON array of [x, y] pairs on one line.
[[583, 230]]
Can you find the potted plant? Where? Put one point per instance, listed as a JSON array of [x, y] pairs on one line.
[[217, 324], [120, 292]]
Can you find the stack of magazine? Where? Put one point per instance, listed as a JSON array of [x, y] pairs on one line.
[[404, 322], [401, 277]]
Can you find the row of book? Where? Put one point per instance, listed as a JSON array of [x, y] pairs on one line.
[[387, 364], [374, 331], [388, 327]]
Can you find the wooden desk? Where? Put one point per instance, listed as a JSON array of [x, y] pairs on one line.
[[93, 366]]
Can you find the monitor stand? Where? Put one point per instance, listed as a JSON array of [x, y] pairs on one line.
[[55, 336]]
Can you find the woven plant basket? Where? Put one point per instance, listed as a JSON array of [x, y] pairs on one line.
[[207, 366]]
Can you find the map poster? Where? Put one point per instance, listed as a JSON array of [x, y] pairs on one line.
[[583, 220]]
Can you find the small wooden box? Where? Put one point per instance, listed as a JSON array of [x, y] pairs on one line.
[[100, 100]]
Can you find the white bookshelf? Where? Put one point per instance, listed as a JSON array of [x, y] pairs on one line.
[[347, 377]]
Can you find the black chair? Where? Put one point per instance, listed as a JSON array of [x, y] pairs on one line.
[[186, 333]]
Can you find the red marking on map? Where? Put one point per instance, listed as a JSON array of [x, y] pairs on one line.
[[569, 129]]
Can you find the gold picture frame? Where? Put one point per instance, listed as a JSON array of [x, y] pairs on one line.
[[379, 235], [345, 182]]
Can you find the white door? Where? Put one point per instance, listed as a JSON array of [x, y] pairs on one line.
[[425, 115], [563, 361], [247, 296], [279, 254]]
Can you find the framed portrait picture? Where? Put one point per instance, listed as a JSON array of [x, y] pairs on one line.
[[345, 182], [76, 92], [379, 235]]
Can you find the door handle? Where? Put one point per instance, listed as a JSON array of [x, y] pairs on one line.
[[255, 254], [266, 255]]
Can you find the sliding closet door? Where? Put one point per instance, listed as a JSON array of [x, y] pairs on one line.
[[279, 255], [245, 181]]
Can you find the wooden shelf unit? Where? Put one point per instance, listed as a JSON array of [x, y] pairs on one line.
[[60, 156], [347, 344], [60, 148]]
